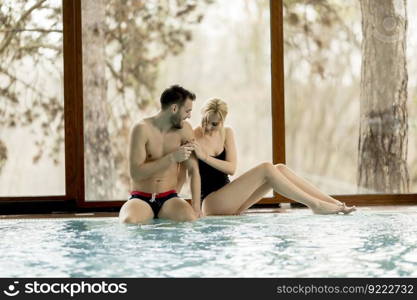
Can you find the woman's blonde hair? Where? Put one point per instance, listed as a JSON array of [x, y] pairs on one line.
[[215, 106]]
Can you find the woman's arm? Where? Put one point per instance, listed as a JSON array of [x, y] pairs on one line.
[[182, 177], [227, 166], [195, 183]]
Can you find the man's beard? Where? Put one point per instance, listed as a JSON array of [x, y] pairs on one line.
[[176, 121]]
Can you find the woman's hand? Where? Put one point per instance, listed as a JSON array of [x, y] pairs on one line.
[[199, 214], [199, 151]]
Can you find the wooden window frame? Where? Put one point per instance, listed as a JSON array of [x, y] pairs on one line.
[[74, 198]]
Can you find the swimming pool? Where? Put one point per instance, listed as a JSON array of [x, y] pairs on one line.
[[368, 243]]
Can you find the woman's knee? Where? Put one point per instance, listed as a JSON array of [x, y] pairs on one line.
[[267, 168], [280, 166]]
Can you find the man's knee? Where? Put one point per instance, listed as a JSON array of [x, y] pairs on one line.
[[135, 212], [184, 213], [178, 210], [187, 215], [134, 219]]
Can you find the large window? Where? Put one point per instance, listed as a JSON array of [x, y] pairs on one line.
[[350, 95], [339, 77], [31, 99], [133, 50]]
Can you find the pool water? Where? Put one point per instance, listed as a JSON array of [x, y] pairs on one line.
[[368, 243]]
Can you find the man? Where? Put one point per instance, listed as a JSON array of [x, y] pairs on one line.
[[158, 145]]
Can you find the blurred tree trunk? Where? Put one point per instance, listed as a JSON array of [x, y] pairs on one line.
[[3, 154], [383, 133], [99, 163]]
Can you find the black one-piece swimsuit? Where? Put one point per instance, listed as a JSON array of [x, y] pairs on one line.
[[211, 178]]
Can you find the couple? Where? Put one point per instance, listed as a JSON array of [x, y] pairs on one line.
[[164, 147]]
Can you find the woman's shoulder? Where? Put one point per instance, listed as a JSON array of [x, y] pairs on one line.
[[228, 136], [198, 131], [228, 130]]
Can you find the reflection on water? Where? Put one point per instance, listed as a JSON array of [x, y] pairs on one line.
[[299, 244]]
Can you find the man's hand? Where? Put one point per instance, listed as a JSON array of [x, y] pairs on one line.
[[183, 153]]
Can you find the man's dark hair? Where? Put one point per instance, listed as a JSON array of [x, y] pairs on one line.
[[175, 95]]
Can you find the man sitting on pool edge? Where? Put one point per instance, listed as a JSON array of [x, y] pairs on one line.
[[157, 147]]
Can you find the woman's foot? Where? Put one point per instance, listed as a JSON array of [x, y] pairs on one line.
[[325, 208], [346, 209]]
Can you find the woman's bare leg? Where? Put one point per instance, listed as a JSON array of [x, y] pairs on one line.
[[256, 180], [255, 197], [305, 185], [296, 180]]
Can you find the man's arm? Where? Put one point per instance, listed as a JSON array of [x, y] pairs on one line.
[[139, 169]]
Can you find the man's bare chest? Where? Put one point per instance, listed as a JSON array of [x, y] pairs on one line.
[[159, 145]]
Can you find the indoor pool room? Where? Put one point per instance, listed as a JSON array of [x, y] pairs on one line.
[[208, 139]]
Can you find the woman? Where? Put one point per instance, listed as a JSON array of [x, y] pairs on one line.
[[215, 149]]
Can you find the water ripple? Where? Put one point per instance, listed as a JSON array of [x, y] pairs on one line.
[[365, 244]]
